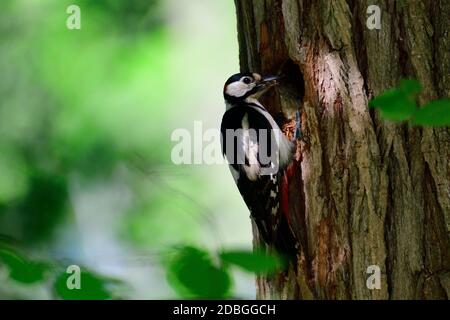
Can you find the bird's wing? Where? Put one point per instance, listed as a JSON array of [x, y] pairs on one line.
[[248, 141], [259, 191]]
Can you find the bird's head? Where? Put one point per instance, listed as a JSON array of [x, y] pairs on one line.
[[242, 86]]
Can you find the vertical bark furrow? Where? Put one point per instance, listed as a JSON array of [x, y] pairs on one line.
[[440, 19], [249, 57]]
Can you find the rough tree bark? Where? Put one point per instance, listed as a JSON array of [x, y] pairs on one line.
[[368, 192]]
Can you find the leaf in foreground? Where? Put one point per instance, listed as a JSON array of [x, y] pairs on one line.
[[258, 262], [22, 269], [398, 104], [436, 113], [192, 274], [93, 287]]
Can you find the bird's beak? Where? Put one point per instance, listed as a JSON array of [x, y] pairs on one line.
[[270, 79], [267, 82]]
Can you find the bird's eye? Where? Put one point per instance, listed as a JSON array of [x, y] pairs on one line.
[[247, 80]]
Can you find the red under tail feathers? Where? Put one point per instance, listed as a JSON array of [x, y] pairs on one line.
[[288, 174]]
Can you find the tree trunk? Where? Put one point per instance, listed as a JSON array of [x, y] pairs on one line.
[[368, 192]]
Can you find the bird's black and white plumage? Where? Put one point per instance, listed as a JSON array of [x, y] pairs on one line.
[[258, 154]]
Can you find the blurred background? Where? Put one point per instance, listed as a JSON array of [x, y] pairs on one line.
[[86, 118]]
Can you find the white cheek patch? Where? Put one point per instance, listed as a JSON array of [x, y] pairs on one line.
[[238, 89]]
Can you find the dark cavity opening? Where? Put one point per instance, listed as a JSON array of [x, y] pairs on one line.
[[291, 87]]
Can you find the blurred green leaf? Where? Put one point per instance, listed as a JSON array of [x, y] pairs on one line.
[[436, 113], [410, 87], [13, 175], [44, 206], [134, 15], [93, 287], [192, 274], [21, 269], [257, 262], [398, 104]]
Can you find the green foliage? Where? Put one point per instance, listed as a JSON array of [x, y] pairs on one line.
[[192, 274], [134, 15], [22, 269], [436, 113], [13, 173], [93, 287], [26, 271], [256, 262], [76, 103], [44, 206], [399, 104], [77, 107]]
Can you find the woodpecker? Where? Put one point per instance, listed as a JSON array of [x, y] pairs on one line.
[[258, 155]]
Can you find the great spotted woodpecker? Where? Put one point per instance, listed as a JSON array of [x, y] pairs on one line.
[[258, 154]]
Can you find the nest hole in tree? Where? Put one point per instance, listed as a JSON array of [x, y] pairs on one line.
[[291, 88]]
